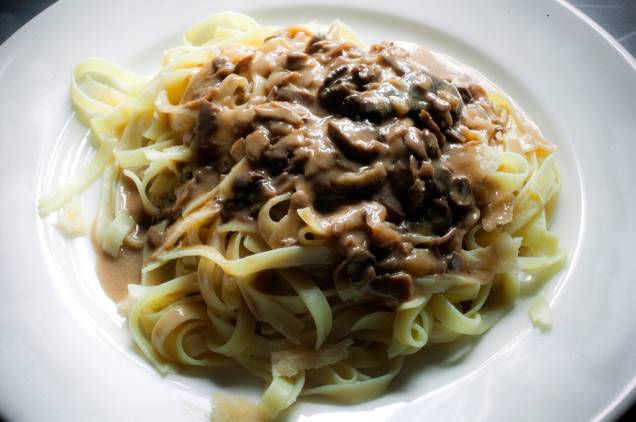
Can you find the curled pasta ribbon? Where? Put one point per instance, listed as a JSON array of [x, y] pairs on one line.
[[157, 297], [291, 256], [314, 300], [453, 319], [219, 26], [410, 327], [513, 170], [281, 393], [356, 389], [97, 86], [80, 182]]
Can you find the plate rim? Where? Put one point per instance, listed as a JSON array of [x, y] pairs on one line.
[[622, 402]]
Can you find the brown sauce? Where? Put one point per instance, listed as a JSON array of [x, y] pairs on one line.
[[115, 274], [368, 137]]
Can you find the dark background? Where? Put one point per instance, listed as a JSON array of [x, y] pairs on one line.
[[618, 17]]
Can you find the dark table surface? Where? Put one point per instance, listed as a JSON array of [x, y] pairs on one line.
[[618, 17]]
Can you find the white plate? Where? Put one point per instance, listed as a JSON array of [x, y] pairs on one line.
[[64, 352]]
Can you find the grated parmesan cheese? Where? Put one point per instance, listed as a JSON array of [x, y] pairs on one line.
[[539, 312], [70, 220], [228, 408], [290, 362]]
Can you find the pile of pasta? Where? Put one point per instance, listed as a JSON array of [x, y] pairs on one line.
[[198, 301]]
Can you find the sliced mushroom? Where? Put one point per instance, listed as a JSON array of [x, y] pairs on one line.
[[383, 234], [278, 111], [358, 140], [441, 107], [395, 210], [359, 267], [249, 191], [365, 178], [317, 42], [417, 192], [244, 66], [368, 105], [399, 66], [397, 286], [276, 158], [460, 192], [207, 78], [421, 262], [293, 94], [295, 61], [414, 141], [455, 261], [206, 126], [439, 214], [237, 150], [256, 143], [441, 180], [364, 74], [156, 235], [336, 87]]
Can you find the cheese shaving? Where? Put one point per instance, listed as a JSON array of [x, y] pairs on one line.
[[539, 312], [70, 220], [292, 361], [228, 408]]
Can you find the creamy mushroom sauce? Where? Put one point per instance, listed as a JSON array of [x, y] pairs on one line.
[[115, 274], [376, 144]]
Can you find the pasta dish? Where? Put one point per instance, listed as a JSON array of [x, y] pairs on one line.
[[309, 207]]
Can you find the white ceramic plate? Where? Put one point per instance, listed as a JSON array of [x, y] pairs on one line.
[[64, 352]]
